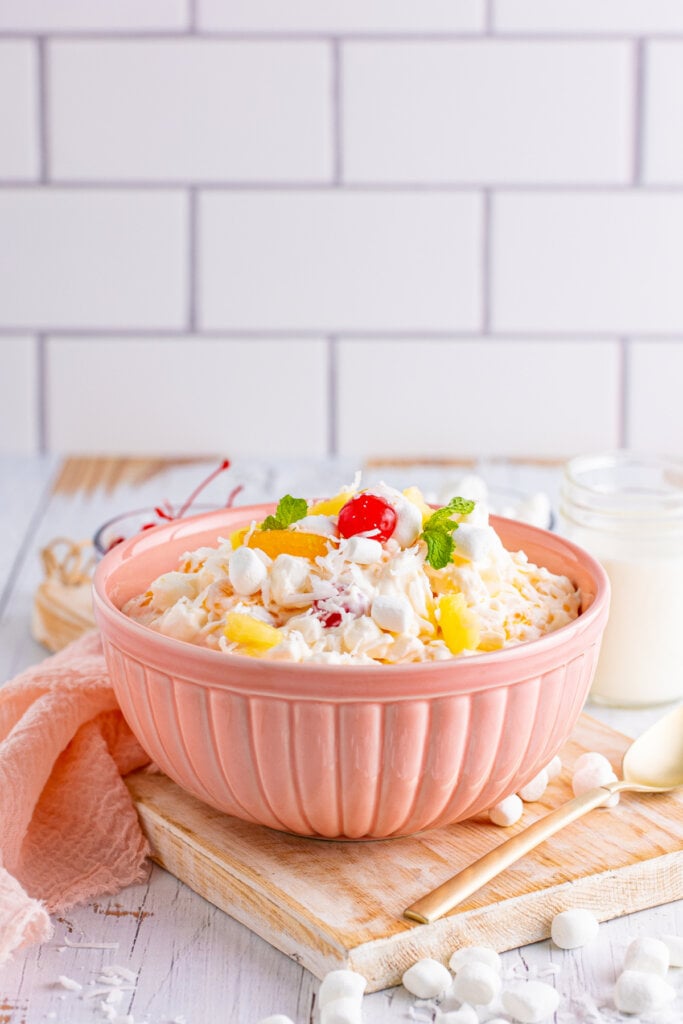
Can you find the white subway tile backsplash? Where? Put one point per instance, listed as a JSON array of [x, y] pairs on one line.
[[18, 109], [654, 396], [79, 258], [342, 15], [190, 109], [103, 15], [490, 111], [19, 414], [591, 261], [628, 16], [477, 397], [663, 159], [188, 396], [335, 261]]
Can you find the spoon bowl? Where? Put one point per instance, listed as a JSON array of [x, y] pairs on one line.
[[652, 764], [655, 759]]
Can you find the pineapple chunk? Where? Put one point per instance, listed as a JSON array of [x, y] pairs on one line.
[[458, 623], [331, 506], [415, 495], [241, 628]]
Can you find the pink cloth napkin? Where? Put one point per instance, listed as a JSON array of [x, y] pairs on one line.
[[68, 827]]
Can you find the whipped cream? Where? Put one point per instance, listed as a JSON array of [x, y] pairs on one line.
[[308, 591]]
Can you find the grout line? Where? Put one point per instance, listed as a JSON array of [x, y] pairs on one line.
[[489, 18], [639, 84], [318, 36], [323, 332], [43, 114], [332, 397], [41, 393], [486, 260], [623, 394], [388, 187], [337, 115], [192, 258]]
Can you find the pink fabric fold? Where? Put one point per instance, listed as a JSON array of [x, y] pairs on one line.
[[68, 827]]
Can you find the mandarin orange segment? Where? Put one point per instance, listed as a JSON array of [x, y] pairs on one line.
[[289, 542]]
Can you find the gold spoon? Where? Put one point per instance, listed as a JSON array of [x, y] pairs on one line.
[[652, 764]]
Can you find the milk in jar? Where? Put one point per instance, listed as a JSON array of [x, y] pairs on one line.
[[626, 508]]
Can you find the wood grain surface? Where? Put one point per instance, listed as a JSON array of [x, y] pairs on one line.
[[338, 904]]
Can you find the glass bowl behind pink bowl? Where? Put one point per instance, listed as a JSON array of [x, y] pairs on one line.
[[128, 524], [345, 751]]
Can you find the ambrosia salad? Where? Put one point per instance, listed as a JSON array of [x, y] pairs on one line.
[[369, 576]]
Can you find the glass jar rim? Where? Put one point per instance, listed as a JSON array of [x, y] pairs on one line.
[[624, 485]]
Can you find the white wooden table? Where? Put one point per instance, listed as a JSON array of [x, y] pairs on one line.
[[194, 964]]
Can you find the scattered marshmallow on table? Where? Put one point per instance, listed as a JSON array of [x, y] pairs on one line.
[[535, 788], [346, 1010], [342, 984], [474, 954], [591, 770], [554, 767], [531, 1002], [427, 979], [507, 811], [641, 992], [674, 944], [649, 955], [573, 928], [476, 983]]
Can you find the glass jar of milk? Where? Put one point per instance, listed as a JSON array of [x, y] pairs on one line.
[[627, 509]]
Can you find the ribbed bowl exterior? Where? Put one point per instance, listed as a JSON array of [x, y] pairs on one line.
[[351, 752]]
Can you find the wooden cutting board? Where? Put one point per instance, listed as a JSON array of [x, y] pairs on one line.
[[331, 904]]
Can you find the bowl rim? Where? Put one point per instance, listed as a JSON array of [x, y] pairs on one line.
[[283, 677]]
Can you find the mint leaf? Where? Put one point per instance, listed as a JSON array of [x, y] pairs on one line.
[[440, 547], [438, 531], [289, 510]]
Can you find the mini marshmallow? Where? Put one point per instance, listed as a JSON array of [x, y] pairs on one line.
[[476, 983], [246, 571], [674, 944], [508, 811], [475, 954], [276, 1018], [554, 768], [473, 542], [592, 758], [324, 526], [392, 612], [648, 955], [341, 985], [427, 979], [288, 576], [641, 992], [535, 788], [531, 1002], [346, 1010], [592, 774], [574, 928], [362, 550]]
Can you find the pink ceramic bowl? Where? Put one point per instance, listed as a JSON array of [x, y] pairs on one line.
[[345, 751]]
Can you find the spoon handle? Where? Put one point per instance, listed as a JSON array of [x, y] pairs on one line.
[[452, 892]]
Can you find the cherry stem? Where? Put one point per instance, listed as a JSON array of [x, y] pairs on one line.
[[233, 494], [225, 464]]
